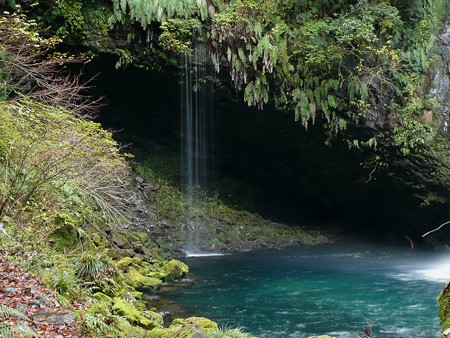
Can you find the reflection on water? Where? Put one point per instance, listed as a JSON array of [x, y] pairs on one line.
[[309, 291]]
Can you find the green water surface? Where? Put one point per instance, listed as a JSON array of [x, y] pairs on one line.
[[321, 290]]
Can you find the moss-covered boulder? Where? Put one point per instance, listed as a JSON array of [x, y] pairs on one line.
[[130, 330], [141, 282], [444, 308], [125, 263], [146, 319], [101, 297], [185, 328], [143, 236], [100, 308], [174, 269], [65, 237]]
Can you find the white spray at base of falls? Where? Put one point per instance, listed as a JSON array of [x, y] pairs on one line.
[[198, 116], [203, 254]]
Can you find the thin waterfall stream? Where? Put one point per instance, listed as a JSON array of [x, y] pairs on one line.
[[198, 118]]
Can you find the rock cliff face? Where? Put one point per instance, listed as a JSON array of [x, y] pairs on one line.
[[441, 78]]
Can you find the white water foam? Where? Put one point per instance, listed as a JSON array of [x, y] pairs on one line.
[[203, 254], [441, 274], [438, 272]]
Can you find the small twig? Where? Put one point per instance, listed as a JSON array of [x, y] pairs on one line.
[[410, 241], [438, 228]]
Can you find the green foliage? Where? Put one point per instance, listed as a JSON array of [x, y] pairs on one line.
[[147, 11], [125, 58], [177, 35], [227, 332], [85, 23], [444, 308], [8, 4], [361, 63], [89, 266], [98, 324], [65, 166], [6, 311], [7, 331], [17, 331], [70, 12]]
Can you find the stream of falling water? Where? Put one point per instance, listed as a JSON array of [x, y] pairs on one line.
[[198, 116]]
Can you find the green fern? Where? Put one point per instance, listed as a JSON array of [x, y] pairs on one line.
[[99, 325], [6, 311], [147, 11], [13, 331], [5, 332]]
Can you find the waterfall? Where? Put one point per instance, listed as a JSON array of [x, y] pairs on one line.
[[198, 115]]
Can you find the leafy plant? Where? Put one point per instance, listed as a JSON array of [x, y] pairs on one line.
[[145, 12], [89, 266], [96, 324], [7, 311], [227, 332], [7, 331]]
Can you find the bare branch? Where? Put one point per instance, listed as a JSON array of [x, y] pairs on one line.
[[438, 228], [34, 70]]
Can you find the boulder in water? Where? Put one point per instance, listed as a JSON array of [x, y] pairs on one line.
[[174, 269]]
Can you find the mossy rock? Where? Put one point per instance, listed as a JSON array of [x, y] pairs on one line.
[[121, 241], [444, 307], [98, 240], [137, 294], [140, 305], [134, 316], [154, 316], [130, 330], [201, 323], [125, 291], [166, 332], [101, 308], [174, 269], [140, 282], [65, 238], [125, 263], [143, 236], [101, 297], [115, 253]]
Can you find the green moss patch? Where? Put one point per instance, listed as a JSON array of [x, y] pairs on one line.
[[134, 316], [444, 307]]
